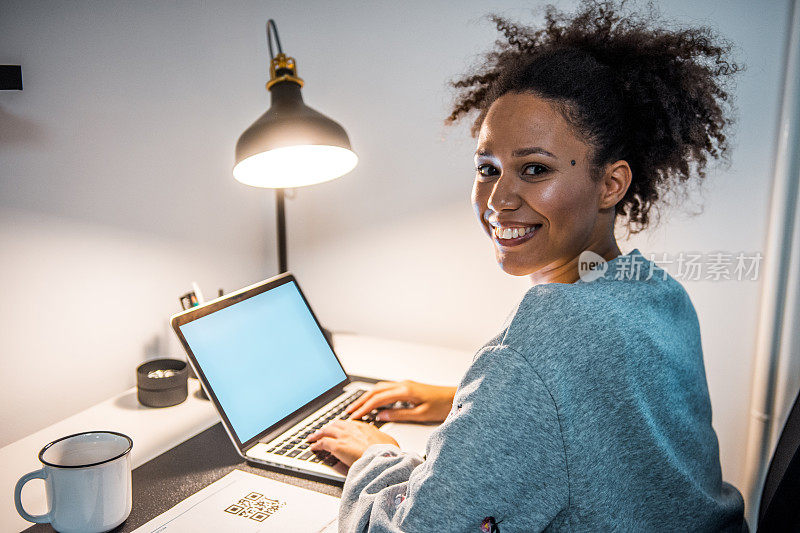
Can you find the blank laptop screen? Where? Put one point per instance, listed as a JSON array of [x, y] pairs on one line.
[[264, 358]]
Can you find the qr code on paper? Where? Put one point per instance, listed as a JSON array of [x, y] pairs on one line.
[[255, 506]]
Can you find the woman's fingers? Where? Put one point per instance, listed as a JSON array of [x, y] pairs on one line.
[[378, 387], [378, 400], [347, 440], [345, 449], [360, 401], [325, 443], [333, 429]]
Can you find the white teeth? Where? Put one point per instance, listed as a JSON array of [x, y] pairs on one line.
[[512, 233]]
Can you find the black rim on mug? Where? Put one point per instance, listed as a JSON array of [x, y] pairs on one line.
[[49, 444]]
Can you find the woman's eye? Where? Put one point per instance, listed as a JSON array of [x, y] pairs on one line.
[[488, 171], [535, 169], [485, 171]]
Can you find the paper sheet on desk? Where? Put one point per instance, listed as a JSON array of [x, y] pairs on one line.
[[245, 502]]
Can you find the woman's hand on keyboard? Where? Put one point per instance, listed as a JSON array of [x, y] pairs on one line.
[[347, 440], [431, 403]]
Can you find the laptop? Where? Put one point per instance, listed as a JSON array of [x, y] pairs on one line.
[[273, 376]]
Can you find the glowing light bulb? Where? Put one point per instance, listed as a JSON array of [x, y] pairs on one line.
[[295, 166]]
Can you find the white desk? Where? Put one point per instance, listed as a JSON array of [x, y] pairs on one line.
[[156, 430]]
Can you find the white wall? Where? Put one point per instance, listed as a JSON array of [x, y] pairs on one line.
[[84, 304], [115, 168], [115, 194]]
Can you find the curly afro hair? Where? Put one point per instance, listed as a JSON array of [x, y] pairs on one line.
[[652, 96]]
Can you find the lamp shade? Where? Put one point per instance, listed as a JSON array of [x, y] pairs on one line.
[[292, 145]]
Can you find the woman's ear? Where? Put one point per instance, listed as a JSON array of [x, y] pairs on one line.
[[614, 183]]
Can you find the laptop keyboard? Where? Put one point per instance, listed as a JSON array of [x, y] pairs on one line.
[[295, 445]]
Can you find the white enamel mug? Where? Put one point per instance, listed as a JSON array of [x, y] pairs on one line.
[[87, 478]]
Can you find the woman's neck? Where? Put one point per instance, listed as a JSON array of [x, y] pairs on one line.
[[565, 270]]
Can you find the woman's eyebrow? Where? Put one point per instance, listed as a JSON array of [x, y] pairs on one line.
[[520, 152], [532, 150]]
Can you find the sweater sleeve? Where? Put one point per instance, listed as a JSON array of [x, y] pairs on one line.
[[499, 454]]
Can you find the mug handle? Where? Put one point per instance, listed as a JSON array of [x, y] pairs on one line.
[[39, 518]]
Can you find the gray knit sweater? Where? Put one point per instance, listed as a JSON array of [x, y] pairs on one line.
[[588, 412]]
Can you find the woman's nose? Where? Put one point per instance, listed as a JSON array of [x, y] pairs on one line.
[[503, 196]]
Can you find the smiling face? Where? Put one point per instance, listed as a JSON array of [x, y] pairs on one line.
[[539, 208]]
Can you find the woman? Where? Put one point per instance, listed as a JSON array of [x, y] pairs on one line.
[[589, 411]]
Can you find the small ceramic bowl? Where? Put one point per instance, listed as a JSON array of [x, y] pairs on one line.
[[162, 382]]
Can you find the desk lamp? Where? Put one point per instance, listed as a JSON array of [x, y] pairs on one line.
[[291, 145]]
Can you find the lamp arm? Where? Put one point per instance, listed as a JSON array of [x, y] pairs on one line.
[[271, 27], [280, 219]]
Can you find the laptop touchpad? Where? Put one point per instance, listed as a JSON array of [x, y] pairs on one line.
[[410, 437]]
